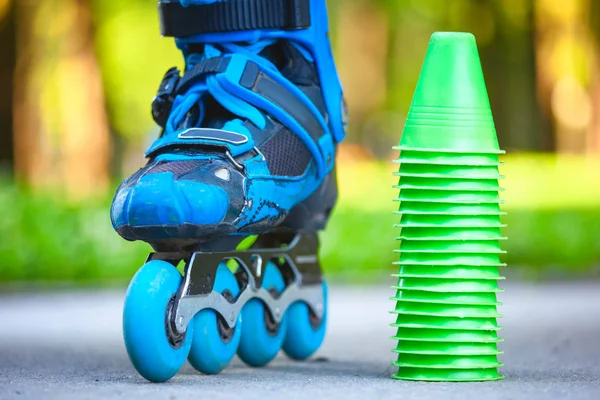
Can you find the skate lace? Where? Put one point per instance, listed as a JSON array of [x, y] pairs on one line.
[[197, 95]]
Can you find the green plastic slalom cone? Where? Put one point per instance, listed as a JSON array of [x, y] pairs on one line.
[[448, 361], [449, 171], [473, 259], [450, 234], [470, 325], [446, 310], [408, 346], [443, 233], [446, 335], [450, 221], [478, 185], [447, 375], [460, 298], [445, 158], [450, 240], [436, 195], [447, 285], [448, 258], [450, 110], [471, 246], [448, 272], [418, 207]]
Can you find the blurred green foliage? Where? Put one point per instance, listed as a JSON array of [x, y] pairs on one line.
[[553, 213], [548, 233], [131, 68]]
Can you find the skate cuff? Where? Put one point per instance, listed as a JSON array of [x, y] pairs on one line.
[[232, 16], [278, 97], [268, 92]]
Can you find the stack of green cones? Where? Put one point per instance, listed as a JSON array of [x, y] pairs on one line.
[[449, 210]]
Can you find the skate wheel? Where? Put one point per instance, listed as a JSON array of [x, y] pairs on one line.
[[304, 334], [150, 349], [261, 338], [214, 344]]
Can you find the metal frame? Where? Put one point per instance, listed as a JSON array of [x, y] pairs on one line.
[[299, 257]]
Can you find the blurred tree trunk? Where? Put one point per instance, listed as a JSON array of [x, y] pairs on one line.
[[564, 56], [362, 46], [7, 65], [593, 138], [510, 56], [60, 126]]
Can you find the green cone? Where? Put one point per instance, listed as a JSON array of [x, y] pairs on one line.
[[471, 246], [447, 375], [417, 207], [448, 361], [427, 233], [445, 196], [450, 222], [472, 325], [448, 171], [409, 346], [460, 184], [446, 310], [448, 272], [460, 298], [447, 185], [443, 336], [441, 158], [447, 285], [450, 110], [474, 260]]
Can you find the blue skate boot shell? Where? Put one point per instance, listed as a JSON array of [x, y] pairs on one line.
[[249, 131]]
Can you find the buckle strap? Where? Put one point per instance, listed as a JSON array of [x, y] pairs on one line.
[[163, 101], [232, 15], [199, 71], [265, 90], [173, 84], [286, 103]]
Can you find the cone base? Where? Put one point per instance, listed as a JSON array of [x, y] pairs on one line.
[[448, 353], [488, 378]]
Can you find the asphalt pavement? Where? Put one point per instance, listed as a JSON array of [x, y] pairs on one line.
[[68, 345]]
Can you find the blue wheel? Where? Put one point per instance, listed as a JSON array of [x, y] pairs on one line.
[[155, 354], [305, 333], [214, 343], [261, 337]]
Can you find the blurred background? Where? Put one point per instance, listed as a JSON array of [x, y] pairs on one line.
[[77, 78]]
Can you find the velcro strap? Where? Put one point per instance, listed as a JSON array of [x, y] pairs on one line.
[[255, 80], [234, 143], [275, 95], [199, 71], [232, 15]]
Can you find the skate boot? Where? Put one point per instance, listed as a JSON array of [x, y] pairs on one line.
[[239, 182]]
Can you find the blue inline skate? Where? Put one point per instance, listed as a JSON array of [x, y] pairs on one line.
[[246, 155]]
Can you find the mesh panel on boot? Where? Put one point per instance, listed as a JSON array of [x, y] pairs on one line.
[[286, 155], [178, 168]]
